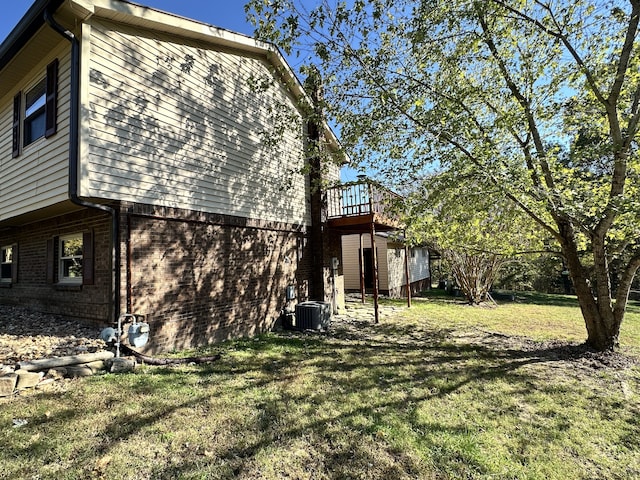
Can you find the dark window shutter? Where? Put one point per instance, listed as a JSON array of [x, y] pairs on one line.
[[17, 100], [14, 263], [51, 259], [51, 106], [87, 259]]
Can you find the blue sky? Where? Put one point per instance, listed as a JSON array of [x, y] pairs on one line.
[[228, 14]]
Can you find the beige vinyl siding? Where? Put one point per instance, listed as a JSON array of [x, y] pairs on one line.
[[390, 262], [351, 264], [37, 178], [418, 265], [332, 173], [178, 125]]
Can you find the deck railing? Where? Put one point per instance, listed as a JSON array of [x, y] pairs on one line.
[[360, 198]]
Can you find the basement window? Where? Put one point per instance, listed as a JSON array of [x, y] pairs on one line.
[[6, 264], [70, 255]]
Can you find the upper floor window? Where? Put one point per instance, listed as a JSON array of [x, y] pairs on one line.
[[36, 110], [6, 264]]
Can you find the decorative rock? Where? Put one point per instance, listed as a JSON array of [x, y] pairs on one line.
[[8, 384], [29, 335], [97, 366], [56, 373], [122, 365], [44, 382], [74, 371], [27, 379]]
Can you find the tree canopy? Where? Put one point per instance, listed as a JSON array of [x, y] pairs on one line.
[[474, 228], [538, 98]]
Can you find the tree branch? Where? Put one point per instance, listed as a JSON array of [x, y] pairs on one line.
[[624, 286], [625, 53], [632, 127], [591, 80], [525, 104]]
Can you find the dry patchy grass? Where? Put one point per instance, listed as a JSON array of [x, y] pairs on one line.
[[440, 391]]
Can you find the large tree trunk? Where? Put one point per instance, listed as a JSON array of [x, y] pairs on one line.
[[601, 335], [603, 327]]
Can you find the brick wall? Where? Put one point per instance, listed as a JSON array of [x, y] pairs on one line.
[[89, 302], [200, 278], [197, 278]]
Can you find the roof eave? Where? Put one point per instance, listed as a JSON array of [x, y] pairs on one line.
[[26, 28]]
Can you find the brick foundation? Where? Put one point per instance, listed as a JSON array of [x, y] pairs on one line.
[[196, 278], [200, 278], [88, 302]]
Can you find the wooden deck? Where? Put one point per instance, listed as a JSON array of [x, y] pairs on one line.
[[355, 207], [365, 207]]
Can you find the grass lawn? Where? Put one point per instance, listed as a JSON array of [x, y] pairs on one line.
[[439, 391]]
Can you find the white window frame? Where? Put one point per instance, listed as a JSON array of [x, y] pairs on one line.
[[62, 259], [3, 263], [33, 112], [43, 109]]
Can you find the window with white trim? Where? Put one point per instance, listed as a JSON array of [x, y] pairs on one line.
[[34, 114], [6, 264], [70, 256]]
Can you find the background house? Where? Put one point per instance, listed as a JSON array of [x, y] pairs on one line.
[[140, 174], [391, 265]]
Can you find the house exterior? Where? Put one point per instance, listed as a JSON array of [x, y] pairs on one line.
[[391, 253], [140, 174]]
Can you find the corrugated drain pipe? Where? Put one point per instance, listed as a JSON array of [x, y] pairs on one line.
[[74, 124]]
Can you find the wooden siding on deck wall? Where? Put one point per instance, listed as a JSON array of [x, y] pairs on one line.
[[37, 178], [178, 125], [390, 261], [419, 264]]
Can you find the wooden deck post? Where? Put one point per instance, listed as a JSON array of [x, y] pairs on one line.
[[374, 256], [406, 272], [361, 262]]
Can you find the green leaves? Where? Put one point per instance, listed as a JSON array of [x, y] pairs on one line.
[[537, 102]]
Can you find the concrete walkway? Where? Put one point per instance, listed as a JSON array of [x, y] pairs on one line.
[[356, 310]]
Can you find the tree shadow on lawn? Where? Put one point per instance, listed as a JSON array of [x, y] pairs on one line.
[[506, 297], [361, 379], [395, 367], [537, 298]]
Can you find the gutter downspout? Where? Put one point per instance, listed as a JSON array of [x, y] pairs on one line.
[[74, 147]]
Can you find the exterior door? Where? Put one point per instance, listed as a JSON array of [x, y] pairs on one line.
[[367, 255]]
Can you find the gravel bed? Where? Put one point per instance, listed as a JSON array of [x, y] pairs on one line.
[[28, 335]]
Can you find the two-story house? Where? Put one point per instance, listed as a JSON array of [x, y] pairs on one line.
[[152, 164]]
